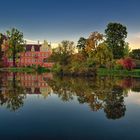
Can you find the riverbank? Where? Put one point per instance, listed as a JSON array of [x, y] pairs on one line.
[[99, 72], [115, 72], [17, 69], [25, 69]]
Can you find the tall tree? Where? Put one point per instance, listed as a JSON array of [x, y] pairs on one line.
[[116, 34], [16, 43]]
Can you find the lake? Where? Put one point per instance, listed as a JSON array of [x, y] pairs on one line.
[[43, 106]]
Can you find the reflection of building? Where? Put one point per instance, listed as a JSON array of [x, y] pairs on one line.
[[35, 83], [34, 80], [31, 83]]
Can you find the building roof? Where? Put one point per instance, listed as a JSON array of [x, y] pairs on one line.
[[34, 47]]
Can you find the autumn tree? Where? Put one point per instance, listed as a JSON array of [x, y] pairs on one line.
[[116, 34], [93, 41], [15, 42]]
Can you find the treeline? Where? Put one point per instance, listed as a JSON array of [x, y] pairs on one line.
[[108, 50]]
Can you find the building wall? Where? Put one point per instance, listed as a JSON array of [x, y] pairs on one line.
[[35, 58], [33, 55]]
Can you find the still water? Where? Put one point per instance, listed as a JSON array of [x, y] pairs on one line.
[[40, 106]]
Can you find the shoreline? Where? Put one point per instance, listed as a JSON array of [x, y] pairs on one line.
[[121, 73], [100, 72]]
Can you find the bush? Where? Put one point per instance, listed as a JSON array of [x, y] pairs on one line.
[[126, 63]]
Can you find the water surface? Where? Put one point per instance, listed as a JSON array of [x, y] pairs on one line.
[[40, 106]]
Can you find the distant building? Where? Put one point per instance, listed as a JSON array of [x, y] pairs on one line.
[[34, 56]]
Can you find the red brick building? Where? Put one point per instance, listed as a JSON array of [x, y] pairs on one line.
[[33, 56]]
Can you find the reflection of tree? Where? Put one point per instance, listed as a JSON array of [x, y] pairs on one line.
[[13, 94], [84, 89], [98, 93], [114, 104]]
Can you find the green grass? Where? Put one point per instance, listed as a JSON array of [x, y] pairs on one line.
[[115, 72], [26, 69], [22, 69]]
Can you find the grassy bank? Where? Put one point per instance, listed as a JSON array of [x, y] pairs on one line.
[[25, 69], [115, 72], [17, 69]]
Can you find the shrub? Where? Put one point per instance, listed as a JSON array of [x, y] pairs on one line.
[[126, 63], [119, 64]]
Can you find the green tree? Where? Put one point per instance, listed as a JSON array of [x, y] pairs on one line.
[[126, 49], [114, 104], [81, 44], [62, 53], [16, 43], [115, 37], [103, 55], [135, 54]]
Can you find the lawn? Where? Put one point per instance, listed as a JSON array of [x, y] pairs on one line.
[[115, 72]]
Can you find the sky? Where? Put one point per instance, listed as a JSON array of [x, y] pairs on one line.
[[57, 20]]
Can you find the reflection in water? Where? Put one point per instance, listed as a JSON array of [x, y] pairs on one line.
[[11, 93], [15, 86], [114, 103], [100, 93], [105, 93]]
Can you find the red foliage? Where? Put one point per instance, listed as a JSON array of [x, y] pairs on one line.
[[127, 63]]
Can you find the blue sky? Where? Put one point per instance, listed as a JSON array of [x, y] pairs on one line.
[[56, 20]]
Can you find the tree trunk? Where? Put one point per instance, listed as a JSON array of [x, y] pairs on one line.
[[14, 57]]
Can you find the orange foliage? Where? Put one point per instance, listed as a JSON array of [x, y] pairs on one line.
[[93, 41]]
